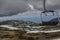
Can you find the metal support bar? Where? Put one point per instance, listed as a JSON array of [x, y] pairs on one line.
[[58, 18], [44, 2], [41, 18]]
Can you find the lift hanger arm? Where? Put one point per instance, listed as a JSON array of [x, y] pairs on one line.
[[44, 3]]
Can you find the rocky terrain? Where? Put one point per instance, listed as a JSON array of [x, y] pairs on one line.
[[6, 34], [19, 23]]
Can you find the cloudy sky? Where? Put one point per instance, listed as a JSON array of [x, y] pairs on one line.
[[18, 9]]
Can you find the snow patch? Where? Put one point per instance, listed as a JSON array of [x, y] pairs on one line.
[[50, 31], [9, 27]]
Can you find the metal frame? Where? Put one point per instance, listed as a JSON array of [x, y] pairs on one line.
[[54, 12]]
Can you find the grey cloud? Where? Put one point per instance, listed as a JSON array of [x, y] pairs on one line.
[[53, 4], [12, 7], [50, 4]]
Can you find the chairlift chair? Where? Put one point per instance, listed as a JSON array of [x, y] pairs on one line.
[[47, 11]]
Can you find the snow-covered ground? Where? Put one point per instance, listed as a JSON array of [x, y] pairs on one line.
[[16, 28], [50, 31], [38, 26], [9, 27], [28, 31]]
